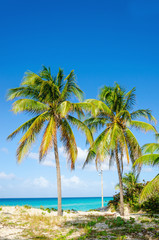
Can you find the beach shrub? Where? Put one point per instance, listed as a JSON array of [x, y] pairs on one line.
[[151, 205], [48, 209], [132, 190], [27, 206], [54, 209], [0, 208], [114, 204], [132, 199], [100, 219]]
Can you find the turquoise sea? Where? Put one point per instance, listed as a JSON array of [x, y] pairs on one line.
[[82, 203]]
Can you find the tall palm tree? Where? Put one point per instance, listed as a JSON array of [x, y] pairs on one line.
[[113, 113], [46, 97], [151, 157]]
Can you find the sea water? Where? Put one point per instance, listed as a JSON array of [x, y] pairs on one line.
[[80, 204]]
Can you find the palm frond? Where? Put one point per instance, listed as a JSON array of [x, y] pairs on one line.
[[130, 99], [45, 73], [99, 107], [47, 140], [90, 157], [36, 126], [29, 105], [65, 108], [143, 126], [49, 92], [93, 150], [24, 127], [151, 148], [80, 125], [146, 113], [31, 79], [68, 140], [59, 79], [105, 93], [22, 92], [123, 114], [24, 147], [133, 145], [148, 159], [150, 189], [29, 137], [95, 124], [71, 88]]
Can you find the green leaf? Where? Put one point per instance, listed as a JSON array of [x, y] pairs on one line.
[[68, 140], [80, 125], [143, 126], [150, 189], [29, 105], [148, 159]]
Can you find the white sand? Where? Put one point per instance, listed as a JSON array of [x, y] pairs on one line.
[[11, 231]]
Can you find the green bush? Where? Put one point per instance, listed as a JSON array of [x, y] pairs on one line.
[[152, 205], [132, 190], [27, 206]]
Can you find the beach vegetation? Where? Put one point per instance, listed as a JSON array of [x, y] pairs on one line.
[[27, 206], [132, 191]]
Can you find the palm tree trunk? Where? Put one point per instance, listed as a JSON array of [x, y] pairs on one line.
[[120, 183], [58, 174]]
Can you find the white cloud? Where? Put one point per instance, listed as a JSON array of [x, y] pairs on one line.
[[33, 155], [82, 154], [6, 176], [104, 165], [147, 169], [5, 150], [37, 183], [62, 151], [71, 182], [48, 161], [41, 182]]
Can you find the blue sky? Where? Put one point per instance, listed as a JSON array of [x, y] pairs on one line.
[[104, 42]]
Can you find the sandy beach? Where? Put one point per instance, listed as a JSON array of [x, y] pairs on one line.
[[31, 223]]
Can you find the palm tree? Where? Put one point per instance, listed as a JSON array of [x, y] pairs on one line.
[[113, 113], [46, 97], [151, 157], [130, 182], [131, 188]]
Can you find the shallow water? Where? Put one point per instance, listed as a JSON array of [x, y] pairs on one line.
[[83, 204]]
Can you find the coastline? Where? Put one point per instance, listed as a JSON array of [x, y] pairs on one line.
[[76, 203]]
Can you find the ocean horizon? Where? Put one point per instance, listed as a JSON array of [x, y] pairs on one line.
[[68, 203]]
